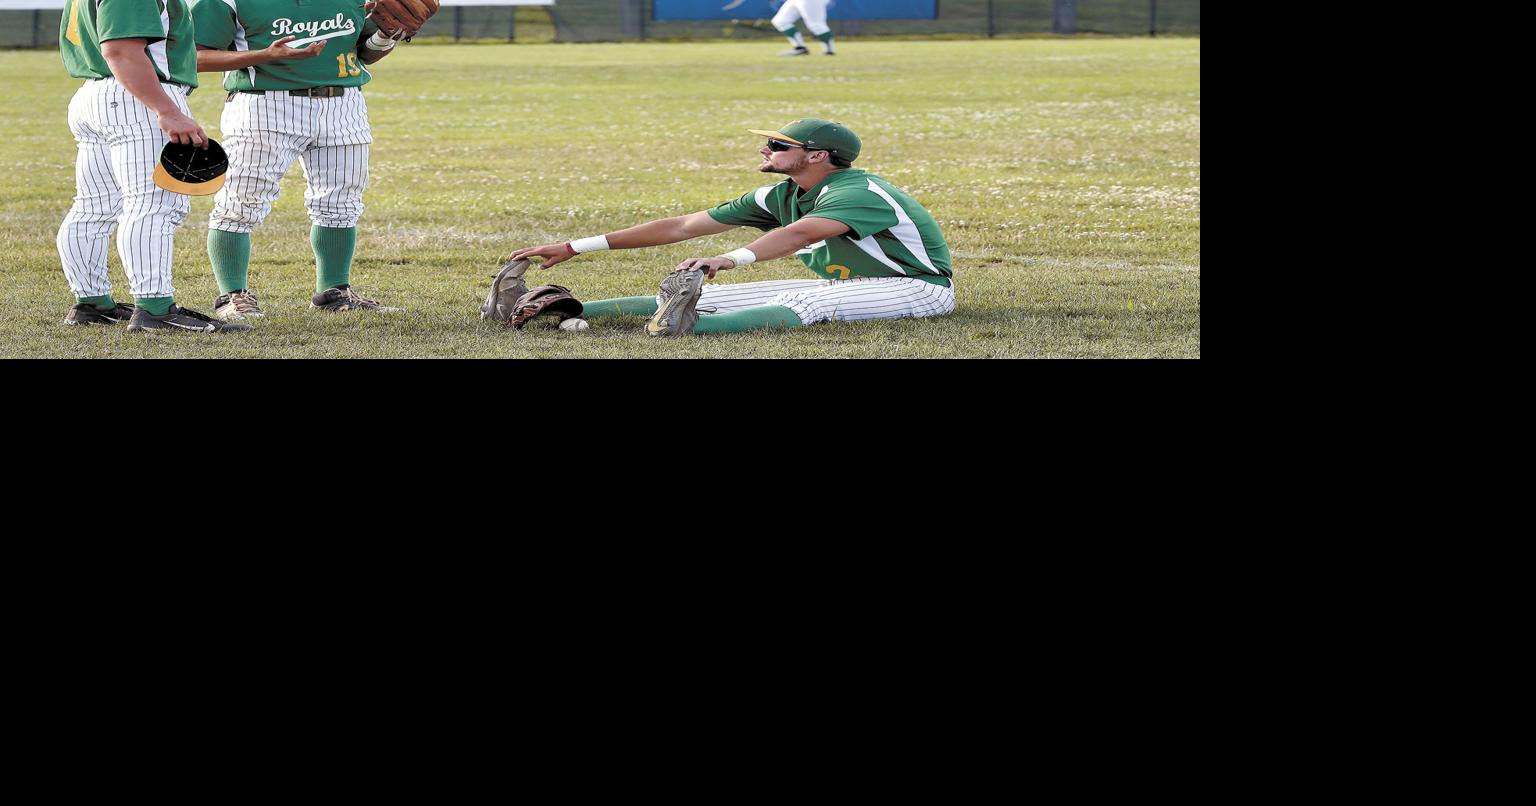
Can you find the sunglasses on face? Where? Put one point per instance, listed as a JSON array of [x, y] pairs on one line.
[[780, 145]]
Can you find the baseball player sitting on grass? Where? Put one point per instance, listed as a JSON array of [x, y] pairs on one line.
[[294, 72], [879, 253]]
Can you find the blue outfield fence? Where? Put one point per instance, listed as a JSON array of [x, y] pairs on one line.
[[765, 9], [634, 20]]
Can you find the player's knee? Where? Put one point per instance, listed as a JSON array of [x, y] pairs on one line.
[[334, 220], [135, 211], [226, 225]]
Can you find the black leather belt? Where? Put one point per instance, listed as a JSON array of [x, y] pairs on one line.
[[311, 92]]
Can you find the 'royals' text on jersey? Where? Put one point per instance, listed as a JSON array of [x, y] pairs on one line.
[[165, 25], [255, 24], [889, 233]]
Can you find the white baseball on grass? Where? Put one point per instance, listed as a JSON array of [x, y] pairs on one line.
[[574, 324]]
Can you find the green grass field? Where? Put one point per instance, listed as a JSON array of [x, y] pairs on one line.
[[1064, 172]]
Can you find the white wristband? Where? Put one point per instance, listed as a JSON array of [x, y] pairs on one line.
[[595, 244], [381, 42], [742, 256]]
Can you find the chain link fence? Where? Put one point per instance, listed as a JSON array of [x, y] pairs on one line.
[[630, 20]]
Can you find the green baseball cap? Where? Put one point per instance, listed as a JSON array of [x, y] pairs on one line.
[[815, 133]]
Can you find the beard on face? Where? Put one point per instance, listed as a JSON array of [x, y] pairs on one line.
[[798, 165]]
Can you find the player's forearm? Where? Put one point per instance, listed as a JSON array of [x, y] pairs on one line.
[[219, 61], [133, 69], [652, 233], [779, 243], [375, 47]]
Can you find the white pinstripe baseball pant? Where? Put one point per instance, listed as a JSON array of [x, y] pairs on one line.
[[118, 142], [852, 300], [811, 12], [264, 134]]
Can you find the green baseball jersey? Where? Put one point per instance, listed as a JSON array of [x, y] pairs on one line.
[[165, 24], [256, 24], [889, 233]]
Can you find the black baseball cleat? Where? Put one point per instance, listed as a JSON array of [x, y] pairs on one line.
[[797, 52], [179, 318], [87, 314], [677, 313], [343, 298]]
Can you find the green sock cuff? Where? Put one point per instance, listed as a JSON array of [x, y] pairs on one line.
[[762, 316], [334, 248], [790, 31], [155, 306], [826, 37], [101, 303], [623, 306], [230, 255]]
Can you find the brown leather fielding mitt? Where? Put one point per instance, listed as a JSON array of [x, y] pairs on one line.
[[402, 19], [546, 299]]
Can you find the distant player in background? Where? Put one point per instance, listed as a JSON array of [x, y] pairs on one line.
[[294, 71], [811, 12]]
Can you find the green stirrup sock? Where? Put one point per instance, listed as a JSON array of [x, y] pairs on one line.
[[99, 303], [623, 306], [826, 37], [333, 255], [747, 319], [230, 254], [790, 31], [156, 306]]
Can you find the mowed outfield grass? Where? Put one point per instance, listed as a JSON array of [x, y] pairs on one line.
[[1064, 172]]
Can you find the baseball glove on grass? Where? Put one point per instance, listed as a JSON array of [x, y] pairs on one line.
[[546, 299], [401, 19]]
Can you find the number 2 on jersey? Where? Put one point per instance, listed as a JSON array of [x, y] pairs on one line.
[[347, 65]]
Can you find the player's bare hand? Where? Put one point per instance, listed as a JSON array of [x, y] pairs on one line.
[[709, 265], [551, 252], [183, 130], [279, 50]]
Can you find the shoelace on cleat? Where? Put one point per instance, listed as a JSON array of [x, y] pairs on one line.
[[245, 303], [360, 300]]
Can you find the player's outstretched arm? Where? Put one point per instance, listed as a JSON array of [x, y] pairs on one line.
[[133, 69], [782, 241], [660, 232], [213, 60]]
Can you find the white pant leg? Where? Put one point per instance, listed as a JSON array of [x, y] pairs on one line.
[[814, 13], [788, 14], [337, 177], [727, 297], [263, 135], [863, 298], [150, 215], [84, 238]]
